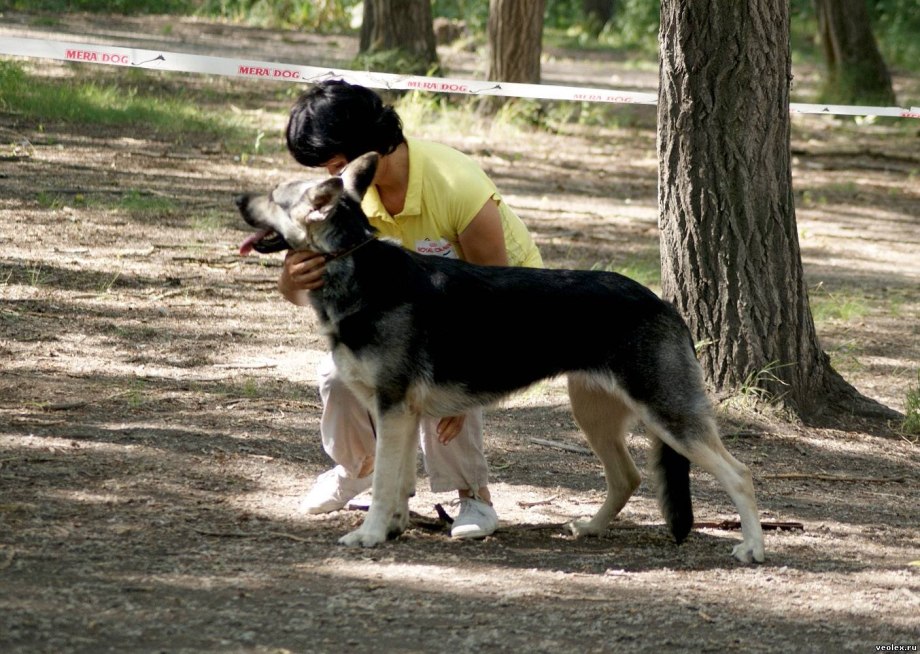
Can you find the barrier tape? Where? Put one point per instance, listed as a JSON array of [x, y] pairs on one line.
[[231, 67]]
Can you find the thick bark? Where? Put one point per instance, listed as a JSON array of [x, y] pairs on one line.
[[731, 261], [856, 72], [515, 40], [402, 26]]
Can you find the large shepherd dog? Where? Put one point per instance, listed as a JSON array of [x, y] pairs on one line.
[[412, 335]]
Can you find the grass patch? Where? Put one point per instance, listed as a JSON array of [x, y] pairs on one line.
[[762, 391], [138, 202], [845, 357], [911, 424], [213, 221], [835, 307], [132, 201], [438, 117], [109, 104], [645, 270]]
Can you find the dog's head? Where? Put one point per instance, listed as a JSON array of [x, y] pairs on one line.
[[323, 217]]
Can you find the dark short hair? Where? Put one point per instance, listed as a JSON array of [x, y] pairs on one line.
[[336, 117]]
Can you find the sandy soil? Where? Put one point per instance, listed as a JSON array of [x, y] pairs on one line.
[[158, 414]]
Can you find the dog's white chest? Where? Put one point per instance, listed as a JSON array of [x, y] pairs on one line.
[[359, 373]]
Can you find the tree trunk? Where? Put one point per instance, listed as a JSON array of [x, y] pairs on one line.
[[597, 14], [856, 72], [730, 253], [515, 45], [401, 26], [515, 40], [367, 26]]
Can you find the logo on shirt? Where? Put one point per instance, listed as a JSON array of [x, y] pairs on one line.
[[440, 248]]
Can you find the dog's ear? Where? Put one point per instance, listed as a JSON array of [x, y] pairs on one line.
[[359, 174], [325, 193]]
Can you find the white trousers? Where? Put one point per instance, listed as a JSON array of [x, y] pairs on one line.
[[349, 438]]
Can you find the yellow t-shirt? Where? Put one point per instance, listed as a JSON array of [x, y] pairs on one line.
[[446, 191]]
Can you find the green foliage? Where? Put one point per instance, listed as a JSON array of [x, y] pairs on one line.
[[327, 16], [563, 14], [897, 29], [103, 6], [319, 16], [636, 24], [895, 24], [474, 12]]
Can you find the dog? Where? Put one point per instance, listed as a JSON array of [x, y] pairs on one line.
[[410, 335]]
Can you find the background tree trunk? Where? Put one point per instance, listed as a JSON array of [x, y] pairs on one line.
[[597, 14], [730, 253], [515, 44], [856, 72], [367, 26], [515, 40], [400, 26]]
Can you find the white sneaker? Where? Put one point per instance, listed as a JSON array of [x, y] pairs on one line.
[[476, 519], [333, 490]]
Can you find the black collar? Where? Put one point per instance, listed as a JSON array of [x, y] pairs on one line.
[[332, 256]]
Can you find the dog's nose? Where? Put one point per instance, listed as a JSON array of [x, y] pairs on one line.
[[241, 200]]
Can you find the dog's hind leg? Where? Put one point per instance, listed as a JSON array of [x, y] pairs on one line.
[[735, 477], [397, 438], [604, 418], [696, 437]]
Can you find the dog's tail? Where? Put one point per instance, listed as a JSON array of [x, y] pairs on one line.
[[672, 473]]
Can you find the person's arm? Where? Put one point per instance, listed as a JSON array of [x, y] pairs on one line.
[[302, 272], [483, 240]]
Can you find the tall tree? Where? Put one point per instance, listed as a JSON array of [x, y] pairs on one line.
[[515, 40], [731, 261], [401, 27], [856, 72]]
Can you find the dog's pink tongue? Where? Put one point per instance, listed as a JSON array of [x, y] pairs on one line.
[[247, 245]]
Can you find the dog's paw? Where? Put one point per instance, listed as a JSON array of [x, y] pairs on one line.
[[362, 538], [749, 553], [584, 528]]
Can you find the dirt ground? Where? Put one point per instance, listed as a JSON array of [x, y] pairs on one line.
[[158, 411]]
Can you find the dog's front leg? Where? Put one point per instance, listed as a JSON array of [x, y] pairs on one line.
[[397, 435]]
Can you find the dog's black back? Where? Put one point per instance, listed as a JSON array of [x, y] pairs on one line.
[[496, 330]]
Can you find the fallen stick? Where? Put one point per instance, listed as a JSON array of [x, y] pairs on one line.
[[79, 404], [827, 477], [731, 525], [561, 446], [527, 505], [226, 534], [281, 534]]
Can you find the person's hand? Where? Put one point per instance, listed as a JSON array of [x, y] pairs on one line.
[[302, 271], [449, 428]]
